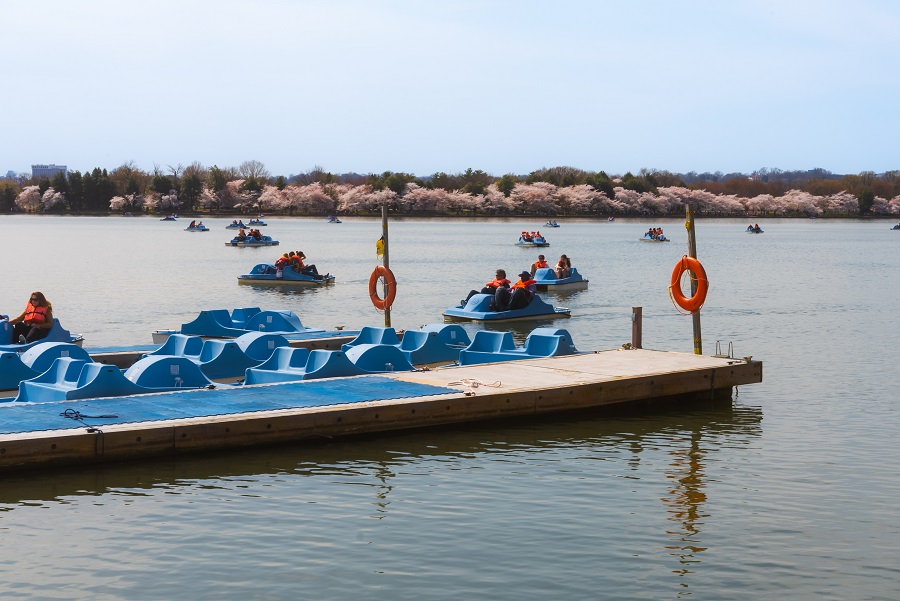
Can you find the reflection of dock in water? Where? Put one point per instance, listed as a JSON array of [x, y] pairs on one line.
[[196, 420], [366, 461]]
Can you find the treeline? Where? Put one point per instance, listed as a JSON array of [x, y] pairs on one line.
[[212, 188]]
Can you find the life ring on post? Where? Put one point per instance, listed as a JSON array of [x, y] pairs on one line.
[[698, 274], [390, 283]]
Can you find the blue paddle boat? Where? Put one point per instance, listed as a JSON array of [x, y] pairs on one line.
[[546, 280], [651, 238], [333, 219], [196, 228], [265, 274], [251, 241], [256, 223], [235, 225], [169, 218], [551, 223], [478, 309], [532, 240]]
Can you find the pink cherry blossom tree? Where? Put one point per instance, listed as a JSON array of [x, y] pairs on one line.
[[29, 199]]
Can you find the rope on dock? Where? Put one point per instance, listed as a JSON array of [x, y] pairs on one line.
[[78, 416], [473, 383]]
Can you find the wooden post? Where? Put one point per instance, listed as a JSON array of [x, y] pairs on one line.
[[692, 252], [636, 327], [387, 260]]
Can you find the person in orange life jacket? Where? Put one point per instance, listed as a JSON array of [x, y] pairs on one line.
[[517, 297], [282, 262], [563, 267], [35, 321], [499, 281], [242, 235], [301, 267], [540, 263]]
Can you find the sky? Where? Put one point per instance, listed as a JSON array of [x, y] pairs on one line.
[[504, 86]]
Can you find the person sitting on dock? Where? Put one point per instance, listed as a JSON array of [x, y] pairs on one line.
[[35, 321], [563, 267], [518, 297], [539, 264], [491, 287]]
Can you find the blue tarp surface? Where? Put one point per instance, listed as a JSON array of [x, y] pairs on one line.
[[32, 417]]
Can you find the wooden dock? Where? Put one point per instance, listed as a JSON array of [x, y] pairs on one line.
[[364, 404]]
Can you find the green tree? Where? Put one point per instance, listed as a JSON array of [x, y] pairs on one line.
[[44, 185], [217, 179], [8, 192], [507, 183], [191, 188], [161, 184], [280, 182], [76, 191], [866, 201]]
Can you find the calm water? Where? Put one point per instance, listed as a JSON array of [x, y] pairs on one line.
[[790, 492]]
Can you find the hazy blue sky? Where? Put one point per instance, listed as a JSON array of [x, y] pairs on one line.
[[502, 86]]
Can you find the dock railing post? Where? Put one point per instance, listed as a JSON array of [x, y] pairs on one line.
[[692, 252], [636, 327], [387, 254]]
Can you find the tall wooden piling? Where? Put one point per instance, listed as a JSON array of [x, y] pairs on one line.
[[692, 252], [387, 260]]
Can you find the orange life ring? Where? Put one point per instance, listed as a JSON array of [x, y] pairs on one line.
[[699, 275], [390, 283]]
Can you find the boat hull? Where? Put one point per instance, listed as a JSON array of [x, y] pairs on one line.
[[476, 309]]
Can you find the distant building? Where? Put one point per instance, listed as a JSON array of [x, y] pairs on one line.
[[48, 171]]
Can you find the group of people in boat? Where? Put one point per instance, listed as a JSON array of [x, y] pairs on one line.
[[35, 322], [254, 234], [655, 233], [195, 224], [508, 295], [530, 236], [236, 223], [754, 228], [294, 260]]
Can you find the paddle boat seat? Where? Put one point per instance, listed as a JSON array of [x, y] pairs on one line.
[[450, 333], [286, 364], [57, 333], [379, 358], [41, 356], [319, 364], [69, 379], [167, 373], [373, 335], [276, 321], [479, 303], [491, 347], [422, 346], [214, 323], [13, 370], [240, 317], [260, 345], [179, 345], [220, 359]]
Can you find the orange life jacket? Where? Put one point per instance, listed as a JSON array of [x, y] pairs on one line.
[[35, 314], [540, 264], [495, 283], [521, 284]]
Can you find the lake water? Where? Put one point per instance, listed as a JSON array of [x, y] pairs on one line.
[[790, 492]]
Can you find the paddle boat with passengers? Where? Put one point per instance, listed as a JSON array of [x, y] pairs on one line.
[[648, 237], [532, 240], [258, 222], [252, 241], [551, 223], [754, 229], [896, 227], [266, 274], [169, 218], [478, 309], [332, 219], [547, 281], [196, 227], [235, 225]]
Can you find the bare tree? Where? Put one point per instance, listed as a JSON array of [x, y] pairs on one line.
[[253, 170]]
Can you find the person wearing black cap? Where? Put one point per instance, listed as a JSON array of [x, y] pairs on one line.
[[517, 297]]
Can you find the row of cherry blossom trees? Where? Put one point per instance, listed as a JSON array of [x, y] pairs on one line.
[[540, 198]]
